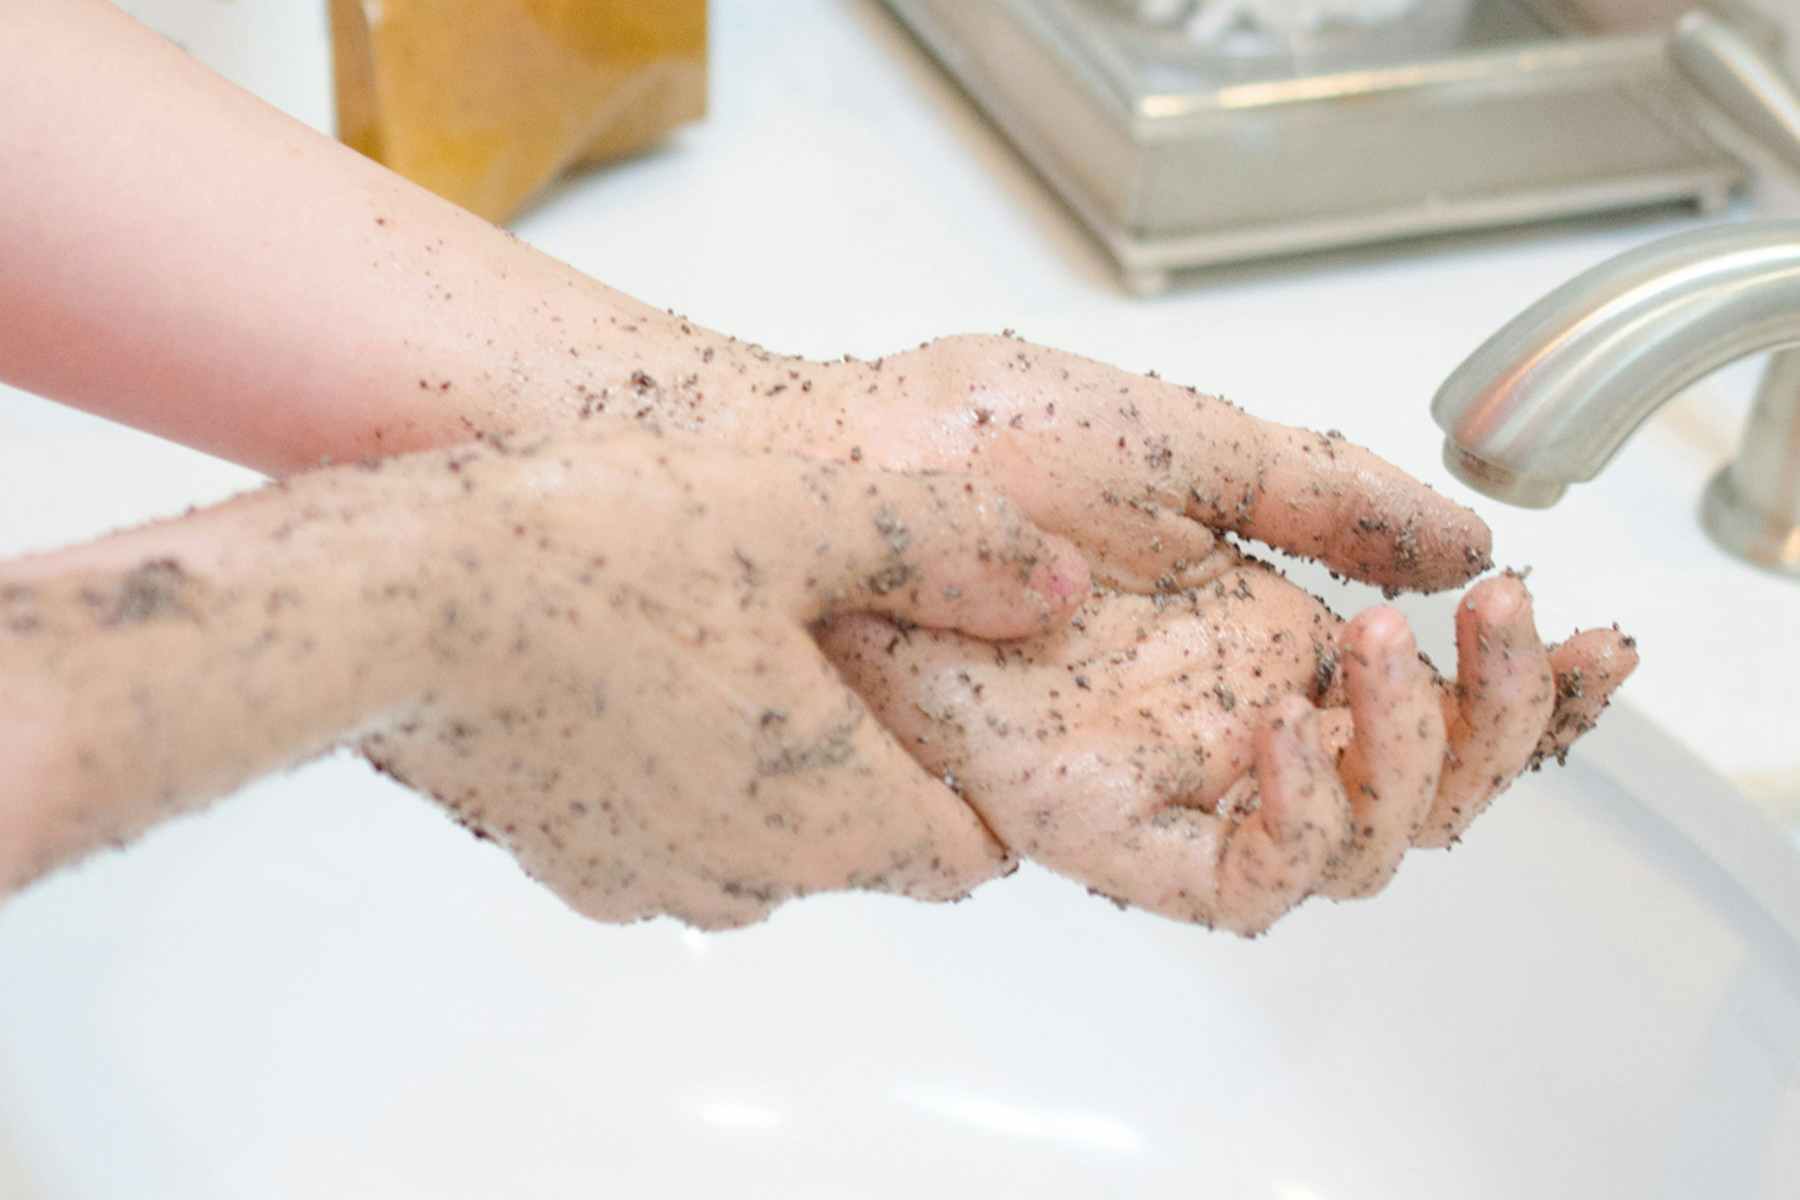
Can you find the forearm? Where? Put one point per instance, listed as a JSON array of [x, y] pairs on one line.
[[157, 669], [177, 255]]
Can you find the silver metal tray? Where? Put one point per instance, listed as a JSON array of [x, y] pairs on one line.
[[1177, 158]]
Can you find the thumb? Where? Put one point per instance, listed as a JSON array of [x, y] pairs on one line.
[[943, 551]]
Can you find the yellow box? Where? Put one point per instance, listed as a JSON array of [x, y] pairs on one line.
[[486, 102]]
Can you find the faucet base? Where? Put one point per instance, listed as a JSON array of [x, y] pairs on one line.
[[1767, 540]]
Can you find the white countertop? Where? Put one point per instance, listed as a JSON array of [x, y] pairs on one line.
[[845, 197]]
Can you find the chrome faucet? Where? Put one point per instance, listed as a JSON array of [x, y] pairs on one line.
[[1549, 399]]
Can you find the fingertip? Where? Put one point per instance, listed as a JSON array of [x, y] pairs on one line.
[[1361, 514], [952, 553], [1624, 666], [1499, 602], [1589, 668], [1620, 657], [1461, 546], [1606, 656], [1599, 657], [1062, 577], [1435, 837], [1476, 537], [1380, 631]]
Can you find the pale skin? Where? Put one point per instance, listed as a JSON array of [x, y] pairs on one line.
[[644, 721], [347, 314], [1219, 754]]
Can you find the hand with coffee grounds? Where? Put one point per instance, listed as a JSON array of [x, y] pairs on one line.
[[596, 653], [1220, 753], [277, 299]]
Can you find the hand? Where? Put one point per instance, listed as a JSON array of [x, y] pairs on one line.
[[1148, 478], [595, 653], [630, 700], [1220, 754], [371, 318], [1144, 475]]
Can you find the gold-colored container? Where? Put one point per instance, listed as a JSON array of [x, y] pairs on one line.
[[486, 102]]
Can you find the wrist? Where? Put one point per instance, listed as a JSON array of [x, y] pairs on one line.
[[150, 672]]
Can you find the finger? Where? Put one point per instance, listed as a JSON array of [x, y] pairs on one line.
[[1392, 766], [1505, 695], [854, 811], [920, 838], [1228, 872], [1136, 535], [1144, 548], [1219, 869], [936, 550], [1117, 816], [1277, 856], [911, 680], [1321, 497], [1589, 668]]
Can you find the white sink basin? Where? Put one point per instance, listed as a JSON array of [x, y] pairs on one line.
[[325, 989]]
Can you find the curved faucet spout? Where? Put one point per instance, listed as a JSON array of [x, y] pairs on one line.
[[1549, 399]]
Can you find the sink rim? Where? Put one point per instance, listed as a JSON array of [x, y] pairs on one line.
[[1701, 806]]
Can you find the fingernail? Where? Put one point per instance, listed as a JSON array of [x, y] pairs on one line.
[[1060, 579], [1502, 601], [1386, 630]]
